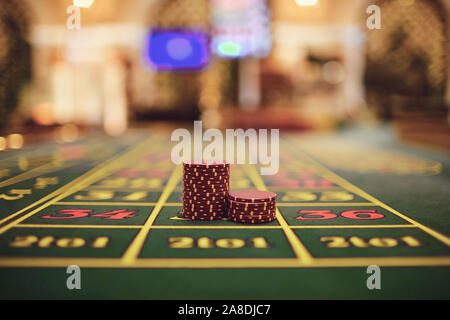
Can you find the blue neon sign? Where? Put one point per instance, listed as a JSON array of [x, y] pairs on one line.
[[177, 49]]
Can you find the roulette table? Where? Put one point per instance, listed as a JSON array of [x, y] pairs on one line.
[[111, 206]]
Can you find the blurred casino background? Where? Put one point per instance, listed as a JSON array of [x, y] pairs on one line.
[[305, 65]]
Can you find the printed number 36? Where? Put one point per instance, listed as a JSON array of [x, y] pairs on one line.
[[327, 214]]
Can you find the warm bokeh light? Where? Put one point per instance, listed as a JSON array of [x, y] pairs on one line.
[[211, 119], [15, 141], [406, 2], [306, 3], [83, 3], [115, 127], [2, 143], [42, 114], [333, 72], [68, 132]]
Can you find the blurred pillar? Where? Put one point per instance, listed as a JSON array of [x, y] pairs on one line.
[[354, 63], [447, 96], [88, 104], [210, 97], [446, 4], [249, 95], [63, 93], [115, 118]]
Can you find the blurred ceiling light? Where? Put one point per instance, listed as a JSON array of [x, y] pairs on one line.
[[2, 143], [307, 3], [83, 3], [15, 141]]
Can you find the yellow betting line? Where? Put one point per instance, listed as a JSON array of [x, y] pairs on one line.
[[328, 174], [215, 227], [86, 179], [324, 204], [176, 204], [357, 226], [67, 186], [95, 226], [100, 203], [238, 263], [150, 263], [77, 226], [133, 250], [383, 261], [45, 168], [300, 250], [123, 189], [315, 189], [122, 203]]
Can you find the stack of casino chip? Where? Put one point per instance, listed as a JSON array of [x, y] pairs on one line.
[[252, 206], [205, 190]]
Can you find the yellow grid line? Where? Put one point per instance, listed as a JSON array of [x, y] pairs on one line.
[[87, 178], [380, 226], [77, 226], [328, 174], [324, 204], [241, 263], [58, 191], [95, 226], [133, 250], [300, 250], [87, 203], [54, 193], [238, 263], [121, 189], [175, 204], [43, 169], [314, 189]]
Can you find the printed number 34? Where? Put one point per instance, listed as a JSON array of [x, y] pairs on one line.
[[82, 213]]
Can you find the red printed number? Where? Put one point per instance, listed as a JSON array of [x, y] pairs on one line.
[[350, 214], [70, 214], [316, 215], [116, 214], [82, 213], [362, 214]]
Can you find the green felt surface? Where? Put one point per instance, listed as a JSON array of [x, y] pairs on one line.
[[152, 253], [330, 283]]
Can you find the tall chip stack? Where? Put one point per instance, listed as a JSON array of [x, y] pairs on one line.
[[205, 190], [252, 206]]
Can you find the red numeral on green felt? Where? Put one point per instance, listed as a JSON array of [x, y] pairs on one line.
[[82, 213], [358, 214], [320, 215], [349, 214], [116, 214], [70, 214]]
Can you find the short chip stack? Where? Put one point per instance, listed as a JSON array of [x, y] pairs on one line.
[[205, 189], [252, 206]]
